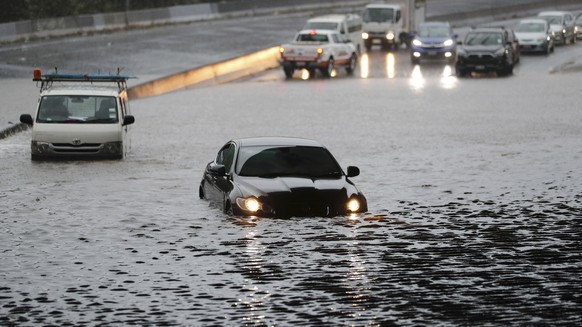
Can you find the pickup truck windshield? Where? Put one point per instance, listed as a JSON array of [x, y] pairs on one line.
[[312, 37], [77, 109], [279, 161]]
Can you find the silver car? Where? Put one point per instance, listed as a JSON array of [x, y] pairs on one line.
[[534, 35], [562, 23], [578, 26]]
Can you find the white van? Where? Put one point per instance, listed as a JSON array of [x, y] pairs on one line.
[[348, 25], [80, 116]]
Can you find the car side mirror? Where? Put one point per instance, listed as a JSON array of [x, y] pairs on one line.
[[128, 120], [217, 169], [353, 171], [26, 119]]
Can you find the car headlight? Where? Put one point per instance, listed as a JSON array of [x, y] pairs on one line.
[[353, 205], [448, 43], [250, 204], [564, 31], [417, 42], [365, 35], [390, 35], [501, 52]]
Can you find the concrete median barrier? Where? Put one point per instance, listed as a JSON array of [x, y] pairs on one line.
[[220, 72]]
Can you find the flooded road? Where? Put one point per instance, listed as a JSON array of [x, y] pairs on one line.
[[473, 188]]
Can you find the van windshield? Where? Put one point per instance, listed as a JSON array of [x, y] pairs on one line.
[[77, 109]]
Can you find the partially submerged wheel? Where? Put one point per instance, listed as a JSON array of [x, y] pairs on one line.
[[288, 71], [352, 65], [329, 69]]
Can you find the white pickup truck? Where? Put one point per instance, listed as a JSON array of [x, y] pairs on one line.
[[318, 49]]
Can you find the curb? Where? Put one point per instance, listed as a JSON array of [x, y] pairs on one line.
[[211, 74]]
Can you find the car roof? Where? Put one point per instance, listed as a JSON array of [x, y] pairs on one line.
[[335, 18], [553, 13], [82, 89], [276, 140], [533, 20], [488, 29], [318, 31], [435, 24]]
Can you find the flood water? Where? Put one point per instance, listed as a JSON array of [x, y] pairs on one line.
[[473, 188]]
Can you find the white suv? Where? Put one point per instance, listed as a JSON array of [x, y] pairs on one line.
[[80, 116]]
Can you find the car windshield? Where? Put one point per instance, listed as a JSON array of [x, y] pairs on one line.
[[484, 38], [378, 15], [77, 109], [278, 161], [312, 37], [530, 27], [320, 26], [554, 20], [433, 31]]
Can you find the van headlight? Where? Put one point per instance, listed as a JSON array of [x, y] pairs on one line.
[[390, 35], [250, 204], [37, 147], [112, 148]]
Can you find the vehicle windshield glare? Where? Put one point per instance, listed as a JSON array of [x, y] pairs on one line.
[[312, 37], [278, 161], [433, 31], [530, 27], [77, 109], [484, 38], [320, 26], [378, 15]]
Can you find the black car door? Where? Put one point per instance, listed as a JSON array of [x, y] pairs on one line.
[[219, 180]]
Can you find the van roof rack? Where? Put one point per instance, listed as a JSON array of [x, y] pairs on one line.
[[46, 80]]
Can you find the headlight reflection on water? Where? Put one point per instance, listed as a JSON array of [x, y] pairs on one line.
[[364, 66], [390, 65]]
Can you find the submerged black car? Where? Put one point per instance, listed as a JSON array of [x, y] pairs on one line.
[[280, 177]]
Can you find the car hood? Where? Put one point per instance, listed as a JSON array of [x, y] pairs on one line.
[[530, 35], [482, 48], [259, 186], [556, 28], [433, 40]]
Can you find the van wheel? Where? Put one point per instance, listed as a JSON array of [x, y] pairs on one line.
[[353, 63]]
